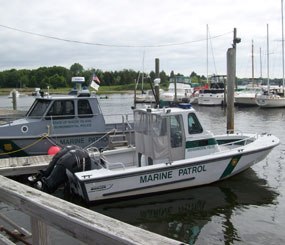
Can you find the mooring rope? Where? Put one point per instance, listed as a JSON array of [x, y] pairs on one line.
[[26, 147]]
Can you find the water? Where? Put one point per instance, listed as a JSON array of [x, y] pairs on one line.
[[246, 209]]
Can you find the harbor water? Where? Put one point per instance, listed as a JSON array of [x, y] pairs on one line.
[[246, 209]]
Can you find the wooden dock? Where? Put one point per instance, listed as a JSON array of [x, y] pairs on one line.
[[83, 224], [14, 166]]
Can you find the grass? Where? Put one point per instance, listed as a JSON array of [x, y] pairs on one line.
[[127, 88]]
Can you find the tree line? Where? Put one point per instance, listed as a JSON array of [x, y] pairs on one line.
[[60, 77]]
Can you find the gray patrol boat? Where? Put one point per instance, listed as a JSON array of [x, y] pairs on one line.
[[75, 119]]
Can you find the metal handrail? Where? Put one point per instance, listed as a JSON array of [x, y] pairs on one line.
[[238, 141]]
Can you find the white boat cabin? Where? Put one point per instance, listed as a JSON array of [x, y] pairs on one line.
[[170, 134]]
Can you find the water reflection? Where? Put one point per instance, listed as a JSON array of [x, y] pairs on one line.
[[183, 214]]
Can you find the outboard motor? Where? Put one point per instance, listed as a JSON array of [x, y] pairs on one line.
[[73, 158]]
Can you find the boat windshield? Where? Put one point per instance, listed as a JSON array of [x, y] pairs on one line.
[[194, 126], [39, 108], [212, 91]]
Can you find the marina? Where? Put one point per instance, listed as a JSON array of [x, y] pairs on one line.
[[191, 215], [149, 124]]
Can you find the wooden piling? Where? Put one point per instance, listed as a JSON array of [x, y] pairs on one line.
[[231, 77], [230, 89], [14, 99], [156, 68]]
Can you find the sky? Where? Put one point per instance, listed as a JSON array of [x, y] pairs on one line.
[[130, 34]]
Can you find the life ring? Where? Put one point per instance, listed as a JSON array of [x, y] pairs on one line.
[[24, 129]]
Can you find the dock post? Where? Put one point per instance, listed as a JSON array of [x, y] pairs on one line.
[[14, 99], [231, 77]]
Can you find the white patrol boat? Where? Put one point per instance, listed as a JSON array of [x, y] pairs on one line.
[[59, 120], [172, 151]]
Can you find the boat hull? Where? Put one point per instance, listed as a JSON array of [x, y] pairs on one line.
[[267, 102], [245, 101], [211, 99], [164, 177]]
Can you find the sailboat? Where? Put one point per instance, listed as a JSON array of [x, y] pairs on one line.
[[213, 94], [145, 96], [273, 98], [246, 96]]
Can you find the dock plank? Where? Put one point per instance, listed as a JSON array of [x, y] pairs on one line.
[[81, 223], [14, 166]]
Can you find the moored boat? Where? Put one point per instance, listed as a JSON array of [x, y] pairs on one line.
[[214, 95], [273, 97], [270, 99], [247, 97], [173, 151], [59, 120], [178, 92]]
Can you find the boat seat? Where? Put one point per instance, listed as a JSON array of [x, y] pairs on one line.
[[115, 165]]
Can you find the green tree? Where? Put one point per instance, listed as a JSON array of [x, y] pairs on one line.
[[164, 79], [76, 69], [12, 79], [57, 81], [44, 83]]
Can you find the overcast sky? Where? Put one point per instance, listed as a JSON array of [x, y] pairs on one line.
[[119, 34]]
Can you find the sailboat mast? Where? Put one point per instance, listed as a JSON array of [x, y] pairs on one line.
[[282, 47], [268, 86], [260, 60], [252, 64], [143, 70], [207, 53]]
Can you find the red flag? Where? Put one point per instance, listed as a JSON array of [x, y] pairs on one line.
[[96, 79]]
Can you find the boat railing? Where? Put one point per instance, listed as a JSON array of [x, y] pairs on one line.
[[112, 118], [243, 141], [118, 121]]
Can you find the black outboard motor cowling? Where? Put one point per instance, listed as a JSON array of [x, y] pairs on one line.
[[73, 158]]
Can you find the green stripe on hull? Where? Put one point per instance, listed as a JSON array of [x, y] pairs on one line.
[[232, 164], [200, 143]]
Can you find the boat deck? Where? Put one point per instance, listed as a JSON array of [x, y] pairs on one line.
[[14, 166]]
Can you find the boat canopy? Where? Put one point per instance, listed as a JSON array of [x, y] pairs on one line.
[[151, 135], [161, 136]]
